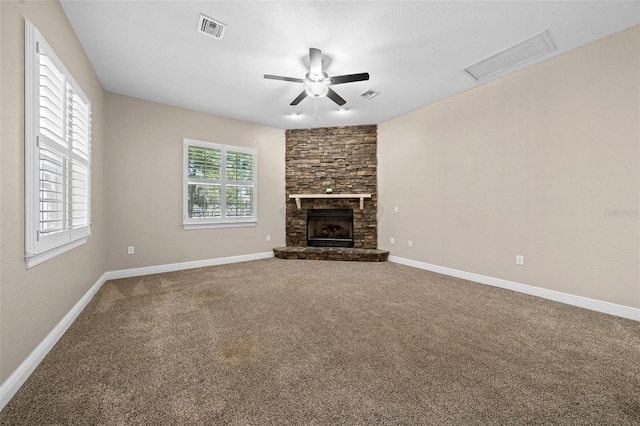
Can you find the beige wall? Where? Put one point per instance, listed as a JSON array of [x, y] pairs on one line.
[[33, 301], [144, 190], [529, 164]]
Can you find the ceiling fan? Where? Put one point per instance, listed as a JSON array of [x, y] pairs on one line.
[[317, 82]]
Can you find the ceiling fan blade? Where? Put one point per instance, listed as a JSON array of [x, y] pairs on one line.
[[277, 77], [315, 64], [300, 97], [349, 78], [335, 97]]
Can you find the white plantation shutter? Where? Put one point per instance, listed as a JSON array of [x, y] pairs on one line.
[[78, 195], [80, 131], [240, 182], [79, 171], [52, 203], [57, 154], [219, 185], [52, 100]]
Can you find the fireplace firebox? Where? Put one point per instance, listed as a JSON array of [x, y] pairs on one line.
[[330, 228]]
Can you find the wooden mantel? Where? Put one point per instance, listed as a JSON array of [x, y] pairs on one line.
[[298, 197]]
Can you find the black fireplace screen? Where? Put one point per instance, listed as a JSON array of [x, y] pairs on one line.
[[330, 228]]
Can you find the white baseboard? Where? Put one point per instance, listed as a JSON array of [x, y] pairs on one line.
[[10, 386], [171, 267], [24, 370], [570, 299]]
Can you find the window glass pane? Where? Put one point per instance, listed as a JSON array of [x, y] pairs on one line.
[[239, 201], [239, 166], [203, 163], [204, 201], [51, 191]]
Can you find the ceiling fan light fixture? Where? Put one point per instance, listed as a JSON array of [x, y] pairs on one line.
[[316, 89], [317, 82]]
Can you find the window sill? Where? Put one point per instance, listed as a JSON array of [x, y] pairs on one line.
[[36, 259], [219, 225]]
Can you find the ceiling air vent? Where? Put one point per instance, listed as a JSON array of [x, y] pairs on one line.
[[211, 27], [370, 94], [525, 51]]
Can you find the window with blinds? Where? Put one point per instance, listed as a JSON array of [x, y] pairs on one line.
[[219, 185], [57, 154]]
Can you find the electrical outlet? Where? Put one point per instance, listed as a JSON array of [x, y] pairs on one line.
[[130, 250], [268, 237], [395, 209], [519, 260], [393, 240], [410, 243]]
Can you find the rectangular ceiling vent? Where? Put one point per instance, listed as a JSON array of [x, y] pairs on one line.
[[525, 51], [211, 27], [370, 94]]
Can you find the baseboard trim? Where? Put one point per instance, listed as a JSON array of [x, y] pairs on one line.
[[10, 386], [570, 299], [171, 267]]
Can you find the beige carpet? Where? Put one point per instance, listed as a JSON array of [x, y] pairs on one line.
[[317, 342]]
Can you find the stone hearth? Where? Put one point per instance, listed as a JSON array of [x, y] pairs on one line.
[[331, 253]]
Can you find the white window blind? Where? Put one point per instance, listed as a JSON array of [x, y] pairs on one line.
[[219, 185], [57, 154]]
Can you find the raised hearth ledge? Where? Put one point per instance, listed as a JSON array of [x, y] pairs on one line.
[[298, 197], [331, 253]]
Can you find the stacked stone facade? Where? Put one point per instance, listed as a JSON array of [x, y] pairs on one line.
[[344, 158]]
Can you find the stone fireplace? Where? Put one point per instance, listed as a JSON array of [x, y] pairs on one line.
[[343, 159]]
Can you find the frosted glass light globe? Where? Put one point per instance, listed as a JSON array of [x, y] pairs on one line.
[[316, 89]]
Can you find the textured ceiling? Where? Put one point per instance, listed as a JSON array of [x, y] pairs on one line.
[[413, 51]]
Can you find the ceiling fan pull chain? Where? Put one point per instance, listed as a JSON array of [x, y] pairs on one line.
[[316, 108]]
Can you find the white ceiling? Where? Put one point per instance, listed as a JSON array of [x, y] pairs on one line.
[[414, 51]]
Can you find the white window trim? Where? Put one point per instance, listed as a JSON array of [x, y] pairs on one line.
[[37, 251], [190, 223]]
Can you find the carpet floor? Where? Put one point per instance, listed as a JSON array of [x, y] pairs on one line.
[[318, 342]]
